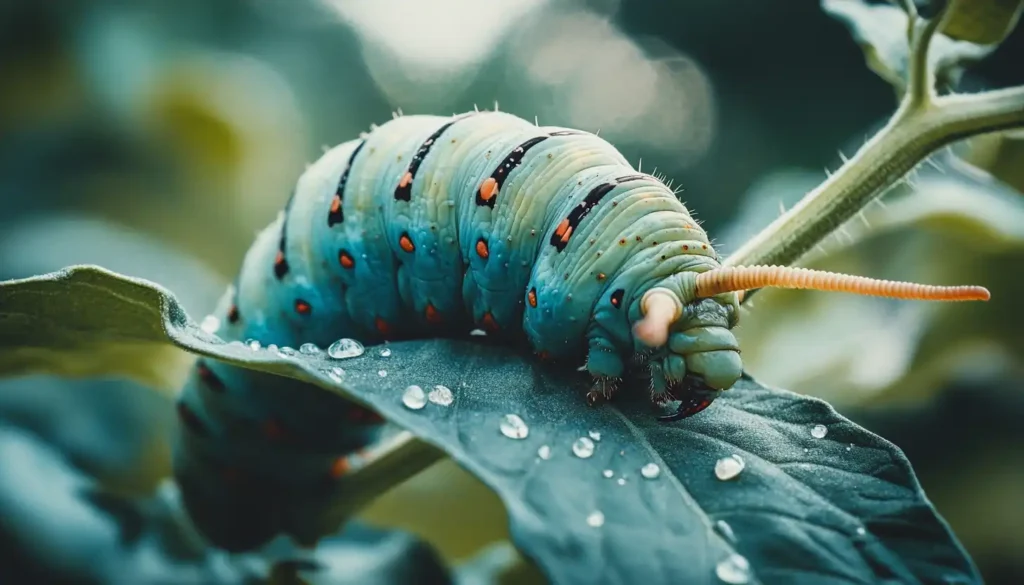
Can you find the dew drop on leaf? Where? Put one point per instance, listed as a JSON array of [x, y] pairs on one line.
[[272, 347], [621, 481], [386, 352], [441, 395], [336, 374], [210, 324], [650, 471], [414, 398], [478, 333], [382, 373], [729, 467], [290, 352], [253, 344], [583, 447], [513, 427], [819, 431], [725, 531], [595, 435], [735, 570], [608, 473], [596, 519], [309, 349], [544, 452], [345, 348]]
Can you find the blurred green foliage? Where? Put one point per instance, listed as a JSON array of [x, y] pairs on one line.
[[155, 137]]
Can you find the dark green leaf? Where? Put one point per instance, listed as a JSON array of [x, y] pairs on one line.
[[881, 31], [841, 509]]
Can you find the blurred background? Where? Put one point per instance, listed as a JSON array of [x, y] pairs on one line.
[[154, 137]]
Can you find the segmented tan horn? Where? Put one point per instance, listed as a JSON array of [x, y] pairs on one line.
[[741, 278]]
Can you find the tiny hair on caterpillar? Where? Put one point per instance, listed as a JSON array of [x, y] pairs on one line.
[[429, 226]]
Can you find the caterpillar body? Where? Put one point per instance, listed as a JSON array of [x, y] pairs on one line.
[[432, 226]]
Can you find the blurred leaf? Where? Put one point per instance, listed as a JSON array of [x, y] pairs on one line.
[[846, 506], [985, 22], [881, 31], [954, 226], [1002, 155]]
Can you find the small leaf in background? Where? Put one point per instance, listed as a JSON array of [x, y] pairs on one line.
[[985, 22], [609, 494], [881, 31]]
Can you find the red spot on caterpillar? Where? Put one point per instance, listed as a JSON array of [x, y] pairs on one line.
[[531, 297], [685, 247], [280, 265], [406, 179], [405, 242], [209, 378], [565, 236], [617, 297], [233, 314], [273, 429], [190, 419], [601, 277], [336, 204], [432, 314], [488, 323], [346, 260], [302, 307], [340, 467], [481, 248], [488, 189], [382, 326]]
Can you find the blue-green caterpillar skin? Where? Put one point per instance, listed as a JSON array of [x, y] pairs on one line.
[[433, 226]]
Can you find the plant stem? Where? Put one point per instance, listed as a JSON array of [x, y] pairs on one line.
[[914, 132]]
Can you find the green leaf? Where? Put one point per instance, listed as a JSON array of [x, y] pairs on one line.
[[986, 22], [842, 508], [881, 31]]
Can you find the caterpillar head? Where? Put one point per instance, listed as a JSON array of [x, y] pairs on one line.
[[686, 318]]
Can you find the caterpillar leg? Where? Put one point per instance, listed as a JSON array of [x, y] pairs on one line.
[[606, 367]]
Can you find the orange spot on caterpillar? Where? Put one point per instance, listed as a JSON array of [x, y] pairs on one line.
[[302, 307], [233, 314], [531, 297], [562, 227], [382, 326], [273, 429], [405, 242], [616, 299], [565, 236], [340, 467], [685, 247], [601, 276], [488, 189], [406, 179], [432, 314], [481, 248], [335, 204], [488, 322], [346, 260]]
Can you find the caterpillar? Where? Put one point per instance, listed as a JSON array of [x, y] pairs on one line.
[[431, 226]]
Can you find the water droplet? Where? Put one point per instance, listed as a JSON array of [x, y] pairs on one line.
[[861, 531], [650, 471], [386, 352], [210, 324], [722, 527], [288, 351], [382, 373], [729, 467], [621, 481], [849, 447], [819, 431], [544, 452], [735, 570], [309, 349], [345, 348], [596, 519], [513, 427], [596, 435], [272, 347], [608, 473], [253, 344], [478, 333], [441, 395], [583, 448], [414, 397], [336, 374]]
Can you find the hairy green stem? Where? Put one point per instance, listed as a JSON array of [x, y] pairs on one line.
[[914, 132]]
